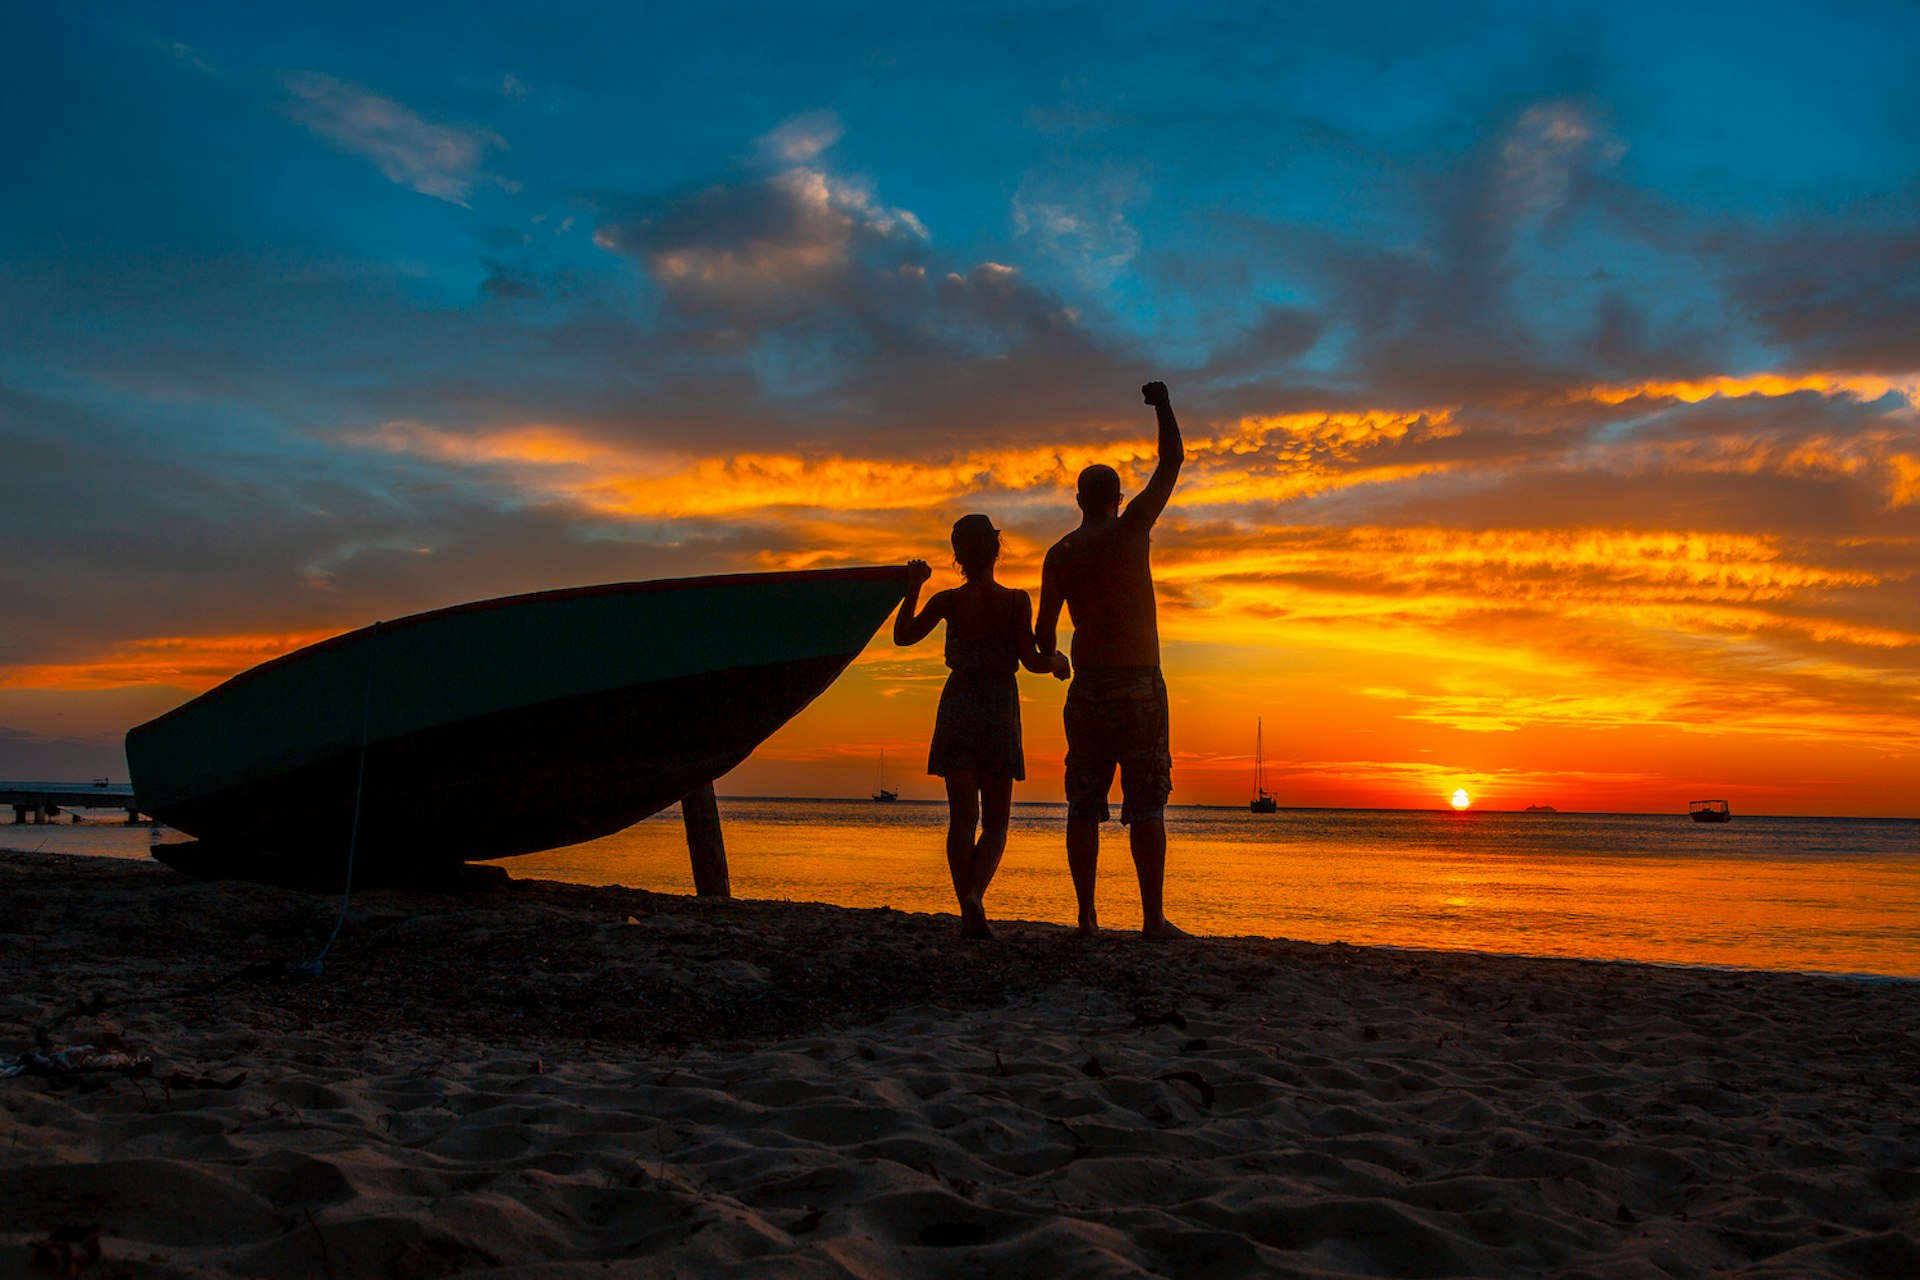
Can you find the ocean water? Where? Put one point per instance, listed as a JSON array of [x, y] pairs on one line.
[[1835, 895]]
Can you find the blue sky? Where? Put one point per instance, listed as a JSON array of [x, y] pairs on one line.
[[306, 313]]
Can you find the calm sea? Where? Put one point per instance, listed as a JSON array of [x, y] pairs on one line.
[[1836, 895]]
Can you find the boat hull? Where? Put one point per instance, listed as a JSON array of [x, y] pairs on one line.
[[640, 693]]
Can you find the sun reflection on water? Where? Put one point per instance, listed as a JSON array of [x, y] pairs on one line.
[[1838, 895]]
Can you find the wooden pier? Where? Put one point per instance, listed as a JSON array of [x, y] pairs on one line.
[[41, 802]]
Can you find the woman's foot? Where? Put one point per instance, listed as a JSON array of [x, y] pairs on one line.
[[973, 919]]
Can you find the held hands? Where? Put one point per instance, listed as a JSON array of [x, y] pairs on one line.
[[918, 572], [1061, 667], [1155, 394]]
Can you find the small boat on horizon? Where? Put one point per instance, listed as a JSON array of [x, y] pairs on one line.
[[884, 794], [1263, 801], [1709, 811], [497, 728], [1539, 808]]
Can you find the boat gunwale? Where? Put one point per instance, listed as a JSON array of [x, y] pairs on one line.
[[876, 573]]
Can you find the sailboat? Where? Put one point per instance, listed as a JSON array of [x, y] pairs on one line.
[[883, 794], [1263, 801]]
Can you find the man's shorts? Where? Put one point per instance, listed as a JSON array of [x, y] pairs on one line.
[[1118, 716]]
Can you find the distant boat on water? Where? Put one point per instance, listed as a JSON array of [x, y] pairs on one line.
[[1263, 801], [1539, 808], [500, 727], [884, 795], [1709, 811]]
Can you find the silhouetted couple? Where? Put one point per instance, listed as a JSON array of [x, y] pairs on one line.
[[1116, 711]]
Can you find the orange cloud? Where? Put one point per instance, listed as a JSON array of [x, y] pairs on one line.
[[1906, 479], [1594, 630], [1437, 656], [1857, 386], [607, 480], [1368, 569], [187, 662], [1298, 455]]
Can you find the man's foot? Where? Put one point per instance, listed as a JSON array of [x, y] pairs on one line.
[[1163, 928], [1089, 925]]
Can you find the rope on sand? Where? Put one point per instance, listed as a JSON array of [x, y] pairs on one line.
[[313, 968]]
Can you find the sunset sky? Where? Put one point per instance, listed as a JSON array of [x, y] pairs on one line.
[[1550, 374]]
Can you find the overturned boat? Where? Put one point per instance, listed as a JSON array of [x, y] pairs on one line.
[[500, 727]]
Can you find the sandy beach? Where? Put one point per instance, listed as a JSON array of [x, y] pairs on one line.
[[542, 1079]]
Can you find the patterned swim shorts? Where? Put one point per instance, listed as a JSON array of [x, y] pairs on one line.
[[1118, 717]]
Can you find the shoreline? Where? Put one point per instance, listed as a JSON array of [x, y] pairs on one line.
[[507, 865], [535, 875], [550, 1079]]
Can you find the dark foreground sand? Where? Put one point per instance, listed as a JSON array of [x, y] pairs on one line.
[[546, 1080]]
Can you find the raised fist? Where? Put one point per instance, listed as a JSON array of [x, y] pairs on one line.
[[1155, 393], [918, 572]]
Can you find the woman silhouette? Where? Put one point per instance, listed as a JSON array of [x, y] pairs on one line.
[[976, 733]]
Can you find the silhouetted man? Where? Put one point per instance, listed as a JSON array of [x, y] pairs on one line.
[[1116, 710]]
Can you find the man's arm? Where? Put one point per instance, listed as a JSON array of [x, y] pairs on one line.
[[1046, 625], [1152, 500], [1041, 662]]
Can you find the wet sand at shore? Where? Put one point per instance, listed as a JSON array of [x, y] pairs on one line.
[[545, 1079]]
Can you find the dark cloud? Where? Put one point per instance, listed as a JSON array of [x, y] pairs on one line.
[[508, 282], [895, 337], [1273, 342], [113, 532], [766, 253], [1841, 295], [1631, 343], [1515, 268]]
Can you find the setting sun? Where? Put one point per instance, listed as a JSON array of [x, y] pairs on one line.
[[1461, 799]]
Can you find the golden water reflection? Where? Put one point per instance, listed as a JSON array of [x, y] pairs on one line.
[[1832, 895], [1822, 894]]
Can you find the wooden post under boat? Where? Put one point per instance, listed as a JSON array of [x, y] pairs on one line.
[[706, 848]]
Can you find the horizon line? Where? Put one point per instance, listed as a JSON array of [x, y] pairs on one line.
[[1305, 808]]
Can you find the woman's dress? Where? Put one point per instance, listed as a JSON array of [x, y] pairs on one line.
[[978, 724]]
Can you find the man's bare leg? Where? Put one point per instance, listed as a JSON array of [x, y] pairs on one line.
[[1148, 839], [1083, 860]]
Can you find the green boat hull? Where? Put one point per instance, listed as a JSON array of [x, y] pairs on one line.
[[499, 728]]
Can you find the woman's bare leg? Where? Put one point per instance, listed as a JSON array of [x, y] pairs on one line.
[[996, 804], [963, 815]]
